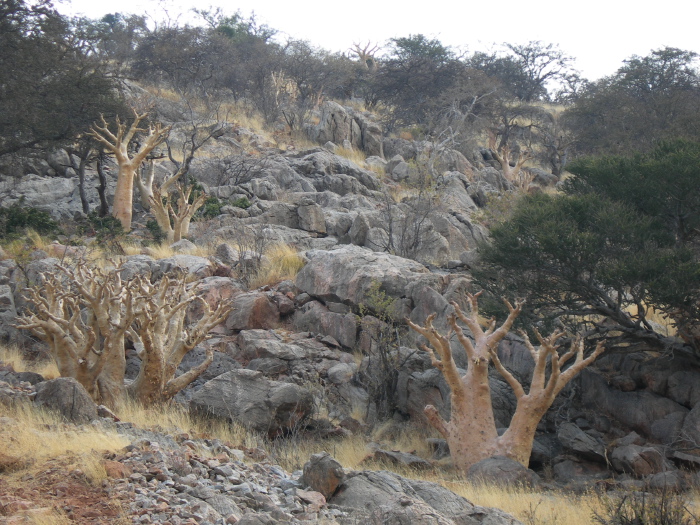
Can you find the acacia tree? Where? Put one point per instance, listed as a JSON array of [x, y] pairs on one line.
[[51, 85], [648, 100], [84, 315], [118, 144], [471, 431]]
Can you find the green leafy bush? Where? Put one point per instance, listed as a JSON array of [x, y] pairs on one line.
[[107, 230], [15, 219], [243, 202], [156, 231], [211, 208]]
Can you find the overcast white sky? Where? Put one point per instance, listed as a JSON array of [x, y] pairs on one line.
[[599, 34]]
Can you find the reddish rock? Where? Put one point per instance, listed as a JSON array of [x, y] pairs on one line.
[[253, 310], [315, 500], [116, 470], [213, 290], [323, 474]]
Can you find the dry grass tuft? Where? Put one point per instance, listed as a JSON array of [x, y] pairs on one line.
[[379, 169], [292, 453], [93, 468], [19, 249], [47, 516], [33, 434], [527, 505], [164, 250], [352, 154], [174, 418], [282, 262], [13, 356], [400, 192]]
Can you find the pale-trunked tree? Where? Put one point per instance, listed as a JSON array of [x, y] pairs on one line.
[[85, 314], [162, 340], [118, 144], [471, 431]]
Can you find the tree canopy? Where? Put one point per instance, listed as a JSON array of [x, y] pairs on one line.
[[51, 87], [616, 248], [648, 100]]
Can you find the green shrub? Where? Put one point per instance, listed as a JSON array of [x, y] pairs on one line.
[[108, 231], [210, 209], [16, 219], [156, 231], [243, 202]]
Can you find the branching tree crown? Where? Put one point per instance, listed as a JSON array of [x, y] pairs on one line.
[[620, 245], [471, 431], [84, 315]]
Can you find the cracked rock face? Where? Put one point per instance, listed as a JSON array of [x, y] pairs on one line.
[[247, 397]]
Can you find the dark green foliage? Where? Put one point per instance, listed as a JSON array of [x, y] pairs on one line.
[[648, 100], [52, 86], [662, 184], [620, 241], [243, 202], [527, 70], [107, 230], [155, 230], [377, 316], [16, 219], [413, 77], [210, 209]]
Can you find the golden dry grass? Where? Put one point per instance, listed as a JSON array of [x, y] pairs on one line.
[[47, 516], [175, 418], [164, 250], [353, 155], [379, 169], [527, 505], [21, 248], [33, 434], [13, 356], [282, 262], [400, 192]]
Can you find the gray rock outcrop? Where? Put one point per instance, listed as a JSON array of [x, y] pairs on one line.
[[248, 398], [67, 397]]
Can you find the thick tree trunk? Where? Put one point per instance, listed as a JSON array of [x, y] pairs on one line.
[[123, 205], [471, 431]]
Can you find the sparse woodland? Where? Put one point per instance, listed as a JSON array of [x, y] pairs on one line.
[[472, 268]]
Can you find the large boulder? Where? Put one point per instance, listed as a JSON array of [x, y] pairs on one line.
[[639, 460], [67, 397], [344, 125], [194, 265], [683, 387], [581, 443], [314, 317], [253, 310], [248, 398], [323, 474], [500, 470], [8, 313], [311, 217], [346, 275], [264, 344], [212, 291], [385, 492], [651, 415], [221, 364], [57, 196]]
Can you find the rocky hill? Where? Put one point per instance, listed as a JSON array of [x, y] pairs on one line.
[[389, 236]]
